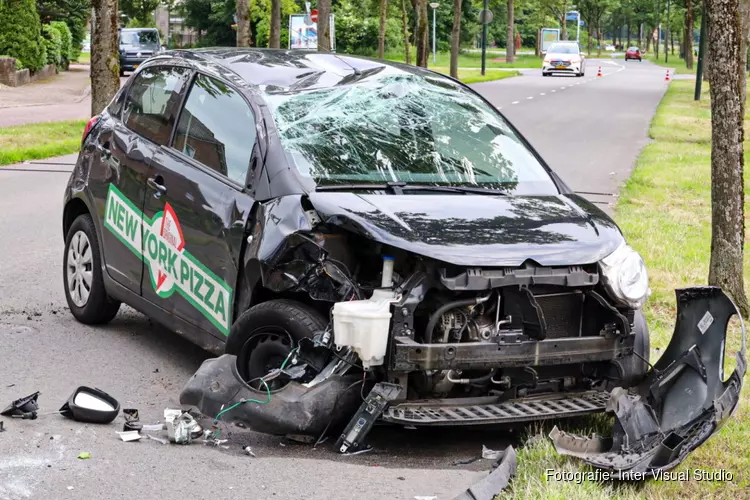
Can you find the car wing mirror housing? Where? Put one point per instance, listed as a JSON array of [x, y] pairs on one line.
[[91, 405]]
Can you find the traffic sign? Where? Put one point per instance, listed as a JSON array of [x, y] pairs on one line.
[[485, 16], [308, 20], [314, 15]]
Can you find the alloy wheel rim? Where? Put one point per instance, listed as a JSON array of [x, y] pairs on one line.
[[79, 269]]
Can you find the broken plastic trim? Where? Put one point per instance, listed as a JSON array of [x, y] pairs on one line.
[[496, 481], [682, 400], [304, 409]]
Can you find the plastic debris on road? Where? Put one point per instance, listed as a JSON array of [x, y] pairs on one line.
[[128, 436], [491, 454], [84, 455]]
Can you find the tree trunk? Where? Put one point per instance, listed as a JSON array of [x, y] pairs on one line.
[[422, 39], [745, 23], [324, 26], [405, 21], [688, 48], [648, 40], [243, 23], [627, 26], [727, 155], [671, 40], [510, 49], [563, 21], [591, 39], [105, 58], [456, 37], [381, 28], [274, 37], [599, 38]]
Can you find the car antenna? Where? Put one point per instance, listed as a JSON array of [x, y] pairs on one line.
[[356, 71]]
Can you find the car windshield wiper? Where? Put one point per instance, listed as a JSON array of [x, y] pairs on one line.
[[400, 187]]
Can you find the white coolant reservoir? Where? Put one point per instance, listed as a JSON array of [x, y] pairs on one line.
[[364, 325]]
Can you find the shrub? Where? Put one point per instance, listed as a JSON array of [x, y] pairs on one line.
[[355, 35], [21, 33], [52, 42], [66, 42]]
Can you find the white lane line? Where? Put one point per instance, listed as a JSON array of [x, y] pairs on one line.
[[563, 88], [553, 90], [529, 98], [542, 93], [515, 102]]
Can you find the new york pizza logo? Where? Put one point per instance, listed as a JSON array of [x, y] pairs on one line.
[[159, 241]]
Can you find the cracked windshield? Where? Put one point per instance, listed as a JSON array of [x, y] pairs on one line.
[[404, 128]]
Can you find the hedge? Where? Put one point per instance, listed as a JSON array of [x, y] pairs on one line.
[[66, 49], [52, 42], [21, 33]]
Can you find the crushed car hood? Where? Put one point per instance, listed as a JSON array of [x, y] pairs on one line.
[[478, 230]]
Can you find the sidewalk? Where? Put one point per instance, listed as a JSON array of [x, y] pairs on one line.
[[62, 97]]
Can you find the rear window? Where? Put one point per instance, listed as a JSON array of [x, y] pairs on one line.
[[139, 37], [633, 49], [404, 127]]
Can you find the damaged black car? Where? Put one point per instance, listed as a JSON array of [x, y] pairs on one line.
[[341, 227]]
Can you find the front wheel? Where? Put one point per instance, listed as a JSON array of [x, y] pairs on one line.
[[82, 275], [264, 335]]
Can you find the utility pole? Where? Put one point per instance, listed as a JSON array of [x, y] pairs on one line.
[[484, 35], [701, 51], [669, 30], [434, 6]]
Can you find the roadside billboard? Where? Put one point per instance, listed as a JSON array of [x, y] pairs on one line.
[[548, 37], [304, 35]]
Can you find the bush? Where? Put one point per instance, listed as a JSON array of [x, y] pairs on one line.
[[66, 43], [52, 42], [355, 35], [21, 33]]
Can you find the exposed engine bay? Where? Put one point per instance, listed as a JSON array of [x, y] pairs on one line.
[[429, 342]]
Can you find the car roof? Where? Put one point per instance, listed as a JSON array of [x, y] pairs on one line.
[[138, 29], [281, 70]]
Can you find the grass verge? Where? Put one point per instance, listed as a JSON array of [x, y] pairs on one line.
[[665, 212], [675, 62], [473, 60], [84, 58], [39, 140], [475, 75]]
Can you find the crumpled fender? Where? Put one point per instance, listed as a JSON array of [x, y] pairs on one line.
[[293, 409], [682, 400]]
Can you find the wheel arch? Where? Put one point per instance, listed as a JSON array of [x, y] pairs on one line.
[[74, 208]]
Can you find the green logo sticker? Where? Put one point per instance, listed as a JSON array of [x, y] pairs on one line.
[[159, 242]]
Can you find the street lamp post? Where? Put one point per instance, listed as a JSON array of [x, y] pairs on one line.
[[434, 6]]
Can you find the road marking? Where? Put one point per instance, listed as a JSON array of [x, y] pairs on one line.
[[553, 90], [515, 102], [563, 88], [542, 93], [529, 98]]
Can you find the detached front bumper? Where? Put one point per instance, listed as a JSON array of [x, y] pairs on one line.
[[680, 403]]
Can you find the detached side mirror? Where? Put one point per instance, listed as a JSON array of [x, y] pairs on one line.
[[91, 405]]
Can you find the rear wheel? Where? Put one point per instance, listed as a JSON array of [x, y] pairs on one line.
[[544, 73], [82, 275], [264, 335]]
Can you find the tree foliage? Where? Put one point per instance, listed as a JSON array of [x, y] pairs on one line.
[[66, 42], [21, 33], [74, 13], [142, 11], [53, 44]]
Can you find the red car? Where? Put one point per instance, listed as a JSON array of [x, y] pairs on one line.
[[633, 53]]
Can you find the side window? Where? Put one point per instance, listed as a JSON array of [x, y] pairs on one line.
[[217, 128], [152, 104]]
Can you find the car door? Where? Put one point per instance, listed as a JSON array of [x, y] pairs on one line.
[[197, 208], [130, 135]]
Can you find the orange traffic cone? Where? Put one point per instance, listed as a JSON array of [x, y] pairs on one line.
[[667, 78], [599, 73]]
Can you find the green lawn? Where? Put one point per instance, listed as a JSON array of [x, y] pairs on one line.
[[475, 75], [84, 58], [473, 60], [665, 212], [40, 140], [674, 62]]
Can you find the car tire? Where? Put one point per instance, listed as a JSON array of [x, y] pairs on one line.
[[82, 275], [545, 74], [263, 336]]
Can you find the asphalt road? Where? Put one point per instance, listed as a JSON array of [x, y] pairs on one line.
[[591, 128]]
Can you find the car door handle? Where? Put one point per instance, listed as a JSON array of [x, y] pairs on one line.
[[156, 183]]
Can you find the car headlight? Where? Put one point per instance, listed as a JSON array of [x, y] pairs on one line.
[[625, 277]]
